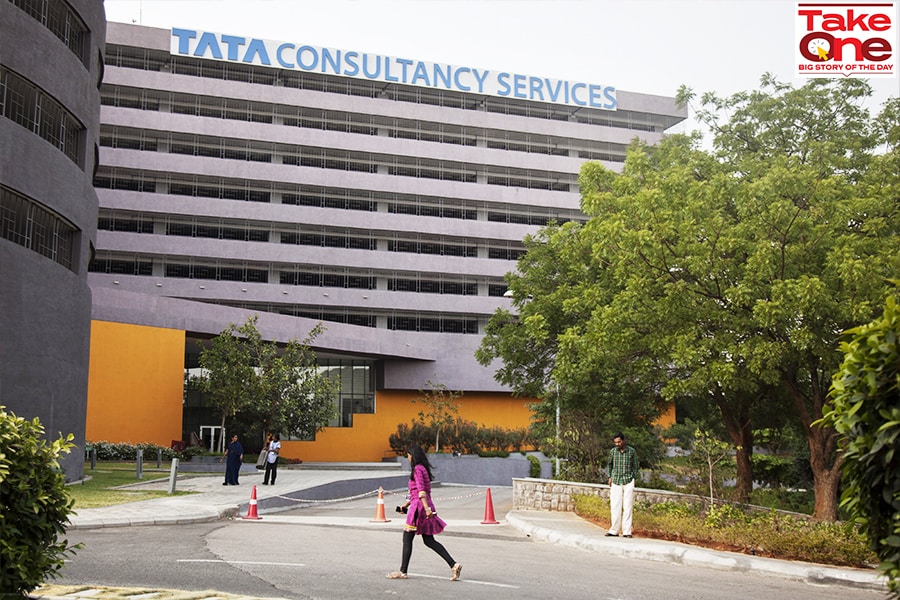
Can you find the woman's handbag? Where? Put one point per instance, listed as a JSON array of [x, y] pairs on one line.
[[261, 461]]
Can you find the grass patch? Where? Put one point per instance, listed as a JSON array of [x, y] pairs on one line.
[[104, 486], [728, 527]]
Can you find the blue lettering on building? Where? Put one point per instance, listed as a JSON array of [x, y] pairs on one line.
[[329, 61]]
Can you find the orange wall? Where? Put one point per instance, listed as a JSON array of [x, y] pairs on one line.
[[135, 391], [367, 440], [135, 384], [667, 419]]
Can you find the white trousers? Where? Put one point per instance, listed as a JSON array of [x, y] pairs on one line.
[[621, 504]]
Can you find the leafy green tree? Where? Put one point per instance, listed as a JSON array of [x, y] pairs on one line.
[[554, 273], [34, 505], [440, 409], [264, 386], [228, 380], [819, 199], [865, 411], [718, 274]]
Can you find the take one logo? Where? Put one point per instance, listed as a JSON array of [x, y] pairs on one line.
[[845, 39]]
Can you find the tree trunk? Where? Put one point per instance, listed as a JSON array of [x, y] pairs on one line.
[[826, 485], [824, 460], [744, 483], [736, 416]]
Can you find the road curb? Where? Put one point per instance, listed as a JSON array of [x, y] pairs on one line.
[[693, 556]]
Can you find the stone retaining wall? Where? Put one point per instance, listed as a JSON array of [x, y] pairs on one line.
[[548, 494]]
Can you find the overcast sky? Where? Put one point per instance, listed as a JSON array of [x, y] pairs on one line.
[[648, 46]]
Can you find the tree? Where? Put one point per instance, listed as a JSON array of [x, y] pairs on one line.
[[265, 386], [440, 409], [722, 275], [34, 505], [822, 203], [594, 403], [865, 411]]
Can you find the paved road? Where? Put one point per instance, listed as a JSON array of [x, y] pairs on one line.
[[296, 559], [318, 548], [334, 550]]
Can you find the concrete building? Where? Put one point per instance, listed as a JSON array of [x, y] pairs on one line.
[[384, 197], [51, 66]]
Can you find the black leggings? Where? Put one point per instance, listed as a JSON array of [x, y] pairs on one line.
[[430, 542]]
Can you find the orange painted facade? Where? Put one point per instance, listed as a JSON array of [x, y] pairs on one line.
[[367, 440], [135, 394], [135, 384]]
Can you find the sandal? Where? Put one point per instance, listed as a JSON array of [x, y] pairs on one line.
[[397, 575], [455, 571]]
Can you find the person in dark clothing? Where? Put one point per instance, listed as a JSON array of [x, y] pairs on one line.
[[233, 457]]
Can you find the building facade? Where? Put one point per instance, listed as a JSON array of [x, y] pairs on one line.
[[51, 66], [240, 177]]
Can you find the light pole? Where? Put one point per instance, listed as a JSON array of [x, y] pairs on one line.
[[558, 443]]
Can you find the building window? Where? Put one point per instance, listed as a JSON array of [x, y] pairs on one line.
[[27, 105], [62, 21], [27, 223], [357, 388]]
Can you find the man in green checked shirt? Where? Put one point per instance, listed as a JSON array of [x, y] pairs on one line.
[[623, 469]]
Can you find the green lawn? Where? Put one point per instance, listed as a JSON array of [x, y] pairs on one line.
[[103, 488]]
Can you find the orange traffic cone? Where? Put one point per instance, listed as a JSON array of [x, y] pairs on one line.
[[379, 509], [251, 510], [489, 510]]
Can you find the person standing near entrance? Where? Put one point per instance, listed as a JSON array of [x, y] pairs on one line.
[[233, 457], [623, 469], [272, 460]]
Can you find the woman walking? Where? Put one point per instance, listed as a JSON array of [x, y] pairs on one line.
[[421, 516]]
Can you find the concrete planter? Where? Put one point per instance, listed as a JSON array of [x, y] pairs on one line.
[[471, 469]]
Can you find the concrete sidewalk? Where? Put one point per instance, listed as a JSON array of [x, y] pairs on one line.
[[313, 486]]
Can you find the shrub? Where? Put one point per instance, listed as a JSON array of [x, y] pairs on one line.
[[462, 436], [865, 414], [493, 438], [799, 501], [656, 482], [406, 436], [34, 505], [771, 470], [128, 452], [764, 533], [493, 454], [535, 469]]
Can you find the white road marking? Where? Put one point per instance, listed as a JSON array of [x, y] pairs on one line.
[[474, 581], [238, 562]]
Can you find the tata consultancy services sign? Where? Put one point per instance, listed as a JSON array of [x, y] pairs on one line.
[[388, 69], [835, 39]]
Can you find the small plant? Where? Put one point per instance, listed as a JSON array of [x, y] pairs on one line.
[[440, 409], [712, 452], [535, 469], [34, 505]]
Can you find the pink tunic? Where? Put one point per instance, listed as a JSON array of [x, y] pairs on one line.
[[415, 517]]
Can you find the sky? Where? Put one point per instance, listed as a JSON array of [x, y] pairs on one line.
[[646, 46]]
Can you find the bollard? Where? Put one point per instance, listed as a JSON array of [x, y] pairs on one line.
[[140, 463], [159, 458], [93, 458], [172, 474]]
